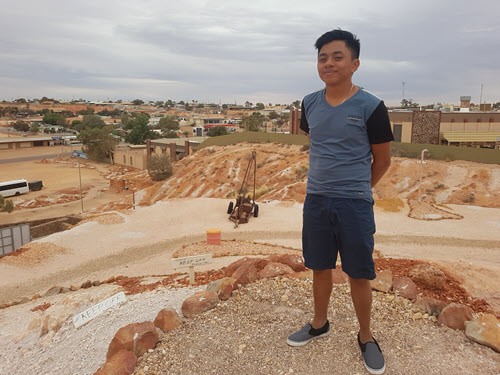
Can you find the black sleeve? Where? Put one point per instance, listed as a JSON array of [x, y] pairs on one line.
[[379, 125], [303, 121]]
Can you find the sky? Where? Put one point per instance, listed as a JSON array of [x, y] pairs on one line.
[[237, 51]]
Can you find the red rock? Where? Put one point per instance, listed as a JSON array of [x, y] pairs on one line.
[[430, 305], [295, 262], [249, 271], [484, 330], [428, 276], [339, 276], [226, 287], [454, 316], [199, 303], [237, 264], [405, 287], [383, 281], [167, 320], [147, 337], [122, 363], [52, 291], [274, 269], [96, 283], [86, 284], [110, 280]]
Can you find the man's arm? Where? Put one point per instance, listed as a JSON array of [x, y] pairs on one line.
[[381, 160]]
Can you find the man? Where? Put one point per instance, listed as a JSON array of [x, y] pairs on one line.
[[350, 136]]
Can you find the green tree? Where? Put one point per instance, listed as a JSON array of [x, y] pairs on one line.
[[159, 103], [253, 122], [21, 126], [169, 104], [168, 122], [35, 128], [20, 100], [86, 111], [139, 130], [6, 205], [137, 102], [216, 131], [92, 121], [170, 134], [159, 167], [297, 104], [53, 119], [273, 115], [260, 106], [99, 142], [225, 106]]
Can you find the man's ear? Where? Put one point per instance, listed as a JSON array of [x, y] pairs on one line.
[[355, 65]]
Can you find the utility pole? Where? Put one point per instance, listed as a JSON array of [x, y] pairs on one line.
[[481, 96], [80, 174], [404, 83]]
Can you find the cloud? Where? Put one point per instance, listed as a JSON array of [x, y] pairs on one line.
[[233, 50]]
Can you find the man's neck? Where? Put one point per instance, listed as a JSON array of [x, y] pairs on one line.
[[337, 94], [339, 91]]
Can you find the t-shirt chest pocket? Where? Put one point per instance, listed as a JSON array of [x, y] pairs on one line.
[[354, 120]]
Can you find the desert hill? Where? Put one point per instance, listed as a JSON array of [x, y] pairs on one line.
[[218, 171]]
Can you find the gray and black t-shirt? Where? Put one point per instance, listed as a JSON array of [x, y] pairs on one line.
[[340, 156]]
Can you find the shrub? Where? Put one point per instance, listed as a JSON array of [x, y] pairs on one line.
[[159, 167], [301, 172], [6, 205]]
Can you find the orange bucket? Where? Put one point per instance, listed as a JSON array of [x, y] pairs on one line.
[[213, 236]]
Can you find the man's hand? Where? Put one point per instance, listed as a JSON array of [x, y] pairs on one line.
[[381, 160]]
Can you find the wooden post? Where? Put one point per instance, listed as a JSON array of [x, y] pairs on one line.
[[191, 275]]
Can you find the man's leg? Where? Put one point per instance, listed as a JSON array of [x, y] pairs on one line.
[[361, 293], [322, 289]]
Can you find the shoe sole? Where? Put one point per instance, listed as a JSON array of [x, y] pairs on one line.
[[302, 343], [375, 371]]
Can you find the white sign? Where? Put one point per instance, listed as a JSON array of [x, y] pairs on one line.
[[96, 310], [191, 261]]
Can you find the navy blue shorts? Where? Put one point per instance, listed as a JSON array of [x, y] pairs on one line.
[[339, 225]]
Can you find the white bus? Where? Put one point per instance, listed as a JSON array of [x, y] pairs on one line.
[[15, 187]]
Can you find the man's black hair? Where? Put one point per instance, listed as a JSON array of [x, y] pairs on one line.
[[351, 41]]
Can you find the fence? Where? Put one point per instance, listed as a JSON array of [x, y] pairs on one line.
[[12, 238]]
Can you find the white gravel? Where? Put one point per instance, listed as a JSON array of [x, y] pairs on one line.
[[82, 350]]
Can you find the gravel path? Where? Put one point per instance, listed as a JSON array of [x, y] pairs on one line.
[[82, 350]]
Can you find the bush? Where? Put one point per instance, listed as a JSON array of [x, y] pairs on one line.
[[301, 172], [216, 131], [6, 205], [159, 167]]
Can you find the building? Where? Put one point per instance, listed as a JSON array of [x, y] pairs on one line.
[[136, 156], [435, 127], [10, 143]]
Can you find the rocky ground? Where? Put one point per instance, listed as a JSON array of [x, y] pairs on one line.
[[247, 335]]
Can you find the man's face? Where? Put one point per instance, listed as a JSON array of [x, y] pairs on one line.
[[335, 63]]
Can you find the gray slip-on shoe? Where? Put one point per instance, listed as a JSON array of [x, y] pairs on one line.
[[307, 333], [372, 356]]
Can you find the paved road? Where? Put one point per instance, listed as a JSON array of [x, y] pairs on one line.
[[31, 158]]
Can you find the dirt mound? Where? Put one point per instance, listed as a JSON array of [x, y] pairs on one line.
[[390, 204], [62, 196], [233, 248], [33, 253], [457, 182], [430, 211], [105, 219], [217, 172]]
